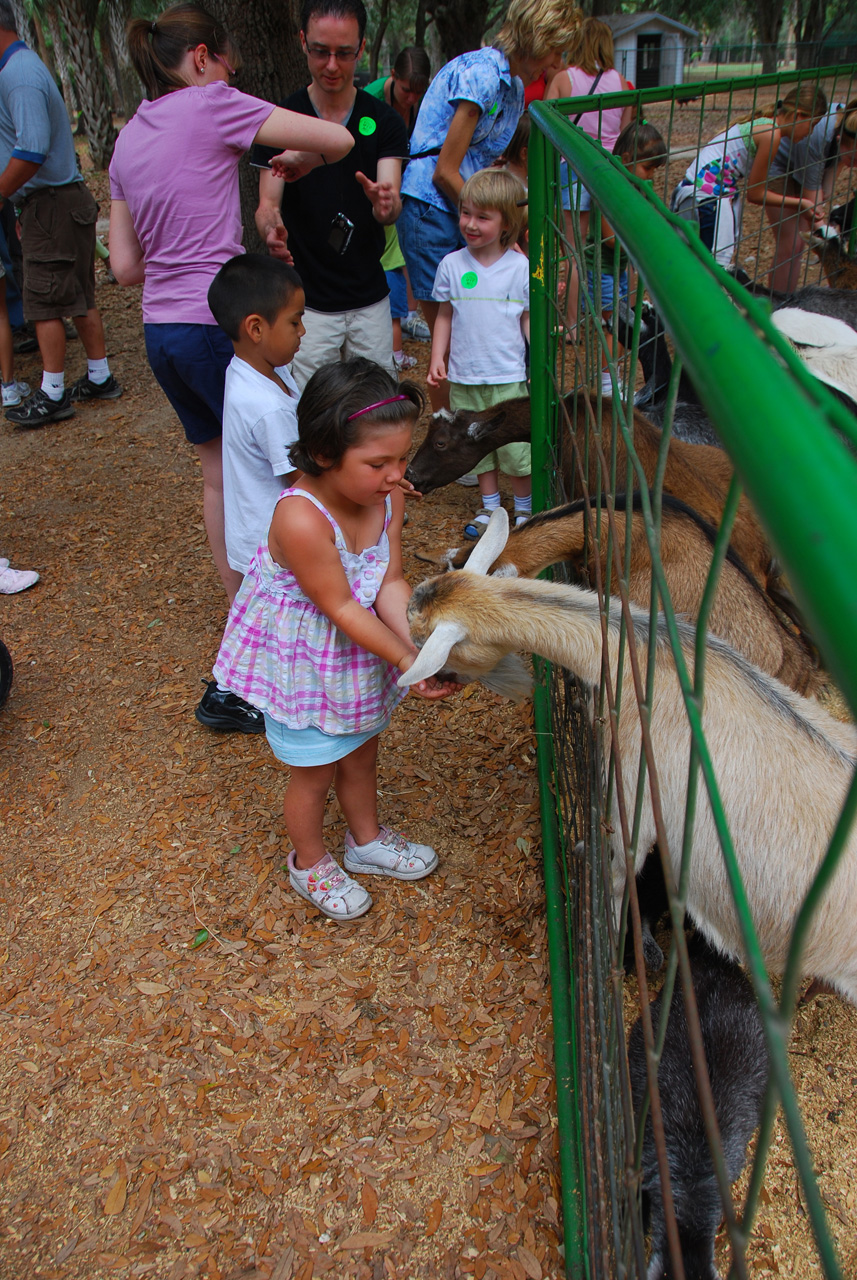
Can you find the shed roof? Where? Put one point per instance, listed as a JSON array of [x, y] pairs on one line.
[[624, 23]]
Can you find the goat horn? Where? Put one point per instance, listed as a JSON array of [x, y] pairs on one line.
[[490, 544], [433, 654]]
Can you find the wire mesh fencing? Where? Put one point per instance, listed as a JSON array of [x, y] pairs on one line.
[[674, 784]]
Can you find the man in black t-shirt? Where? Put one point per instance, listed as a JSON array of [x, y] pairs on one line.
[[331, 222]]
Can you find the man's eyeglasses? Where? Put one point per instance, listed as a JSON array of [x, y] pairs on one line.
[[319, 53]]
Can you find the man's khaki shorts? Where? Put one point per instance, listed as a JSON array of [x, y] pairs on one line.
[[58, 244]]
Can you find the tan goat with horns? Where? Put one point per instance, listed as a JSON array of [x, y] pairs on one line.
[[782, 764]]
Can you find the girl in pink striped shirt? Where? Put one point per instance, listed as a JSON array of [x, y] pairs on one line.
[[317, 635]]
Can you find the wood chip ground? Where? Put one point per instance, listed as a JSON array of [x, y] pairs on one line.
[[291, 1099]]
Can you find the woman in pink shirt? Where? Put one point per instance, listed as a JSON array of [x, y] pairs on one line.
[[175, 214], [590, 70]]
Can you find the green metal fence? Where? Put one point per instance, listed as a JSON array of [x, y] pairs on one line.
[[792, 445]]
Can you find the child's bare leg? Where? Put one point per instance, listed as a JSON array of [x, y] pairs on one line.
[[303, 810], [355, 782], [7, 355], [397, 334], [489, 483]]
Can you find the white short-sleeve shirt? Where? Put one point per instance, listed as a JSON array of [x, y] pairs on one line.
[[259, 425], [487, 343]]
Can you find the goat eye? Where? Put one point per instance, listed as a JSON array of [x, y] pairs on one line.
[[440, 446]]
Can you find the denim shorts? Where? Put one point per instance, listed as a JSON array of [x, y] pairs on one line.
[[398, 293], [190, 363], [307, 747], [426, 235], [574, 193], [607, 290]]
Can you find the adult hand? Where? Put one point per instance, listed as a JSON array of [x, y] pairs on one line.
[[291, 165], [276, 242], [381, 196]]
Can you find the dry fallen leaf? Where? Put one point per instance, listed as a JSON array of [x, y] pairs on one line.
[[152, 988], [369, 1200], [435, 1214], [115, 1201]]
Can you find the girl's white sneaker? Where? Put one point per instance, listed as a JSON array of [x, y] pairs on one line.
[[389, 854], [327, 887]]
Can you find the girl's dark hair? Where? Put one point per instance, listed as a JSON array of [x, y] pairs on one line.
[[413, 68], [327, 427], [158, 48], [640, 141]]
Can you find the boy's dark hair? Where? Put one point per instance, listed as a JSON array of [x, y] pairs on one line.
[[330, 411], [640, 141], [334, 9], [251, 284]]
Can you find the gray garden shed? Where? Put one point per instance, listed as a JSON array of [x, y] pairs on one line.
[[650, 49]]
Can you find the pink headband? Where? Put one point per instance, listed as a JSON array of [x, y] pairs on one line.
[[377, 405]]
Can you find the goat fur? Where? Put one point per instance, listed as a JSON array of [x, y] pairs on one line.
[[839, 268], [697, 474], [742, 614], [737, 1060], [783, 765], [826, 344]]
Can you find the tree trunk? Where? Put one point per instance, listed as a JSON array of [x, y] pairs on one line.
[[61, 62], [267, 33], [769, 20], [380, 19], [809, 32], [107, 59], [461, 24], [130, 89], [420, 25], [91, 84]]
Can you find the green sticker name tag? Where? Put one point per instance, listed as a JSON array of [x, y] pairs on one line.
[[492, 111], [470, 280], [367, 126]]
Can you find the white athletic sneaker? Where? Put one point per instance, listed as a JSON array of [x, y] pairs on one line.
[[415, 327], [14, 580], [14, 392], [327, 887], [403, 361], [468, 481], [389, 854]]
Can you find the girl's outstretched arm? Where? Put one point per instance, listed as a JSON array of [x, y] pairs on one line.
[[391, 605], [767, 144]]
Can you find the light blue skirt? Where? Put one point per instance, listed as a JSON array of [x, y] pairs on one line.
[[310, 746]]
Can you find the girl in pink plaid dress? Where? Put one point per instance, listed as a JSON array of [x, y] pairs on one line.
[[317, 635]]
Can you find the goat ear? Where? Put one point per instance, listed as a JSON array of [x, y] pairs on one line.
[[433, 654], [490, 544]]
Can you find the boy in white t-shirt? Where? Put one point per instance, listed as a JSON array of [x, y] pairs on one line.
[[484, 296], [259, 302]]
